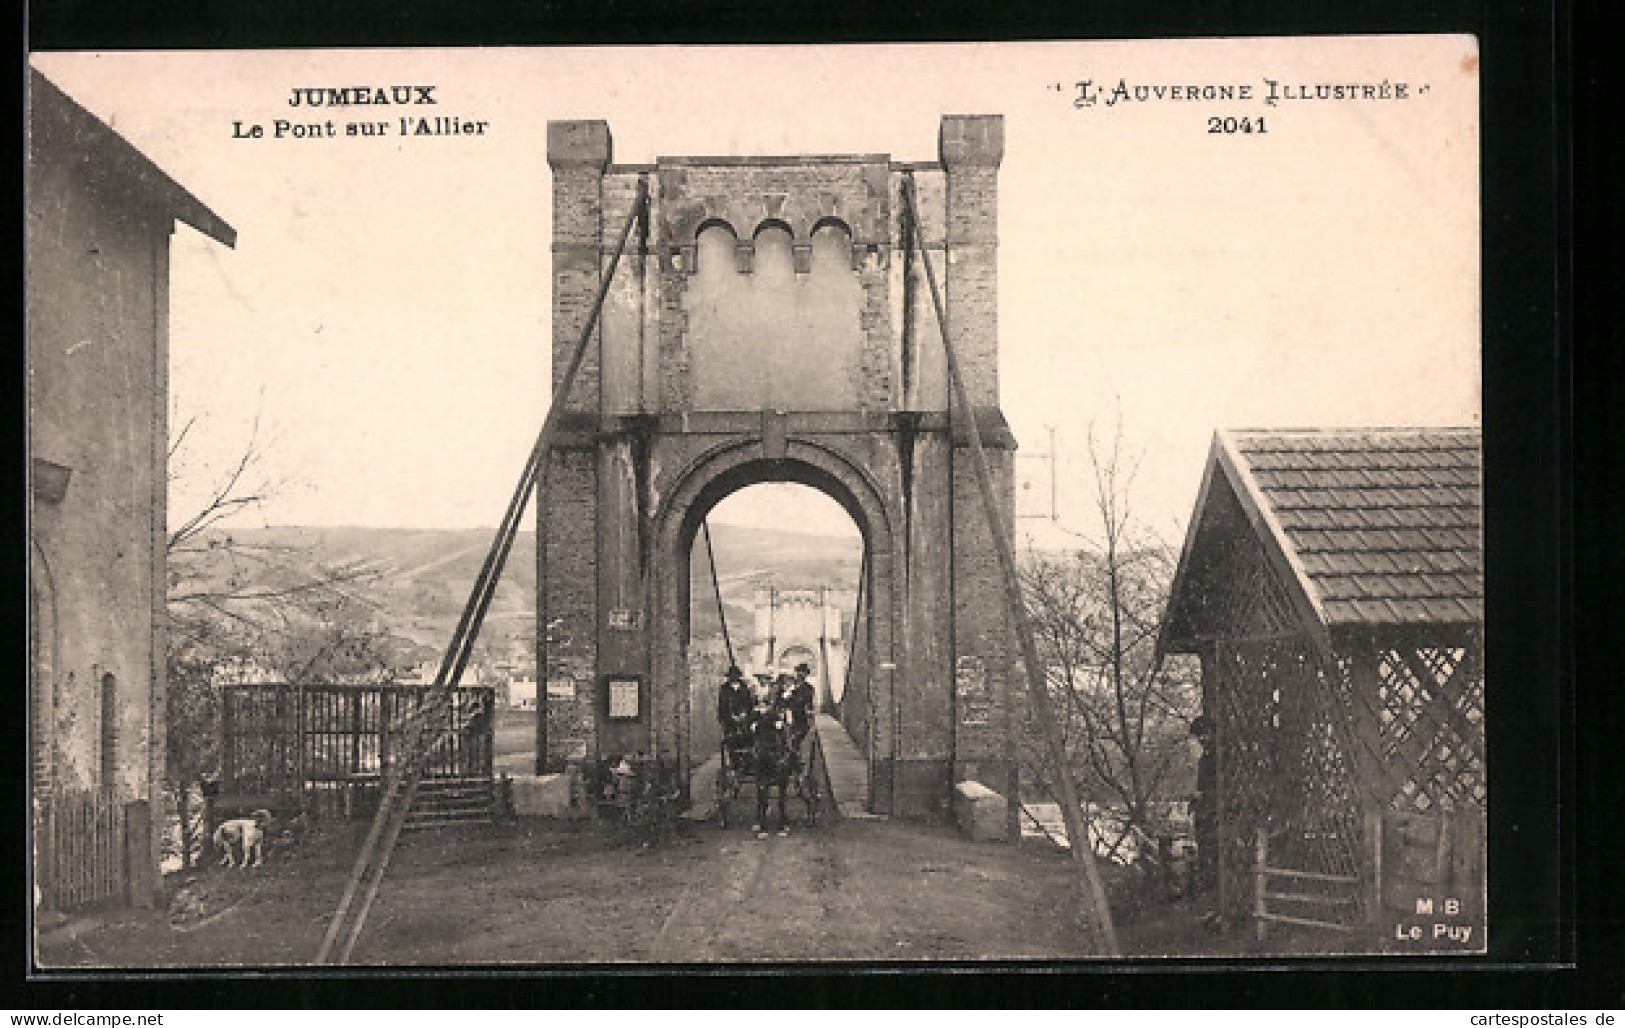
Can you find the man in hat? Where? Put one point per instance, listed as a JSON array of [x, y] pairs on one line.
[[764, 693], [797, 698], [734, 703]]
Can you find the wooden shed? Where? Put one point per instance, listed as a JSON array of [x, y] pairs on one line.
[[1332, 585]]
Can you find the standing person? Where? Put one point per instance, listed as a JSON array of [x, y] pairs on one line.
[[798, 700], [793, 695], [734, 703], [782, 689]]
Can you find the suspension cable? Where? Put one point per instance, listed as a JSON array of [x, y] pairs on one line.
[[857, 613], [716, 589]]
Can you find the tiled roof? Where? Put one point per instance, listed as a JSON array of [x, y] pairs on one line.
[[1382, 525]]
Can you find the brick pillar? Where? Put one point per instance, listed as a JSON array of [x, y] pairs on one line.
[[921, 773], [986, 693], [970, 149], [623, 648], [566, 530], [156, 742], [579, 153], [623, 625]]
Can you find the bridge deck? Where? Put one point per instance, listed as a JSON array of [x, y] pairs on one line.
[[848, 770]]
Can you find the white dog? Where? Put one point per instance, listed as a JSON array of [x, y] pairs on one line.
[[245, 833]]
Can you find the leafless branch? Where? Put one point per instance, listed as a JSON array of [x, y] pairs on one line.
[[1098, 613]]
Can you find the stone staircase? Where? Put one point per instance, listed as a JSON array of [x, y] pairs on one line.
[[1041, 820], [452, 801]]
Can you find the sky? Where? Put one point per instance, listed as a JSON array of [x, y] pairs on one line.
[[382, 327]]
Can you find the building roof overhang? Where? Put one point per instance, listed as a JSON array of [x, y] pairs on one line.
[[52, 109]]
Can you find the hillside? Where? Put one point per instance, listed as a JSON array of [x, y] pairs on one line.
[[423, 576]]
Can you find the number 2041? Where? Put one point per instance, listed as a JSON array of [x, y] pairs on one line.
[[1235, 126]]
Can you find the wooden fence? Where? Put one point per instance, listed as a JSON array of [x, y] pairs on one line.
[[281, 738], [92, 847]]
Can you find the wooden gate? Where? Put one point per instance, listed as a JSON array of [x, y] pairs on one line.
[[90, 847]]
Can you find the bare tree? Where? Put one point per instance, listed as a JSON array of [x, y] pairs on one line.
[[213, 575], [1097, 612], [235, 603], [335, 639]]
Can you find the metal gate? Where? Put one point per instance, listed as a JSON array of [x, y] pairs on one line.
[[279, 737]]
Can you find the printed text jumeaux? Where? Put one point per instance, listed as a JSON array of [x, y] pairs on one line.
[[350, 96]]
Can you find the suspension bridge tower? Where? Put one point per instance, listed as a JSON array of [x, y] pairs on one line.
[[771, 322]]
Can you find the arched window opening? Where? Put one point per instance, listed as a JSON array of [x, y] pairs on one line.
[[831, 248], [109, 726], [715, 247], [774, 264]]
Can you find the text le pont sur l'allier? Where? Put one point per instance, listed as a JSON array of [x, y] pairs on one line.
[[306, 123]]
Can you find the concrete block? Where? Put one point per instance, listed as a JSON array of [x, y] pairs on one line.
[[979, 812], [547, 795]]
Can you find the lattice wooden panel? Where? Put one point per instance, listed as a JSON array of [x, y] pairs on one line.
[[1317, 824], [1240, 595], [1283, 763], [1323, 832], [1248, 715], [1432, 711]]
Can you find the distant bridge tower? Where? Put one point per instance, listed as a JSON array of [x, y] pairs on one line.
[[796, 626]]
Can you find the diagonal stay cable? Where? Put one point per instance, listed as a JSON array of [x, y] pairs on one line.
[[857, 614], [396, 802], [1004, 549], [716, 588]]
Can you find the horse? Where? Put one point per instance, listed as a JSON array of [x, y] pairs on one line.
[[773, 759]]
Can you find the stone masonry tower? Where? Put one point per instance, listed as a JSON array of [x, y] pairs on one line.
[[773, 324]]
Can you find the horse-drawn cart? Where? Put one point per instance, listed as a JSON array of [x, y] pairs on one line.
[[768, 758]]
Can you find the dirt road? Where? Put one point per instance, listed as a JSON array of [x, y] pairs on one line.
[[541, 893]]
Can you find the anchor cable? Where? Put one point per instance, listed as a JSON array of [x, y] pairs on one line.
[[1016, 608], [857, 614]]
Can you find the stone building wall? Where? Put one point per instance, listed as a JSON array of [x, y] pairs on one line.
[[100, 216]]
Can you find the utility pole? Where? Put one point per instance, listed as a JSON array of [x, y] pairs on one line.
[[772, 625], [1054, 477]]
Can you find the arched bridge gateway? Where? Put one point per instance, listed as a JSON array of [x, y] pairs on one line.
[[771, 322]]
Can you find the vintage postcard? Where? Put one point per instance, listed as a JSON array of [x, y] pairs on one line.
[[827, 505]]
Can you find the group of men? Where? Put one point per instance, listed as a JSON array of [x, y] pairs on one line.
[[739, 705]]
